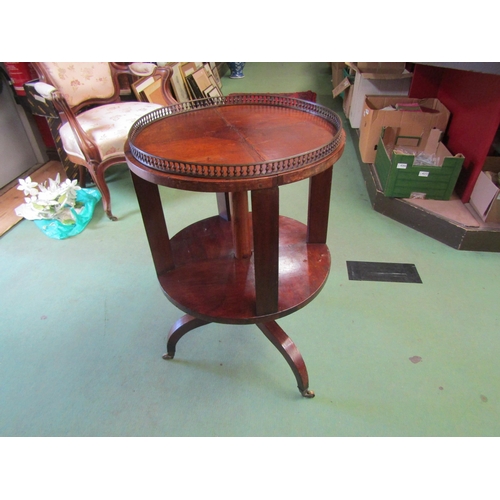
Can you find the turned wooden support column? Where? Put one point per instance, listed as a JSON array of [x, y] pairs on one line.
[[242, 238]]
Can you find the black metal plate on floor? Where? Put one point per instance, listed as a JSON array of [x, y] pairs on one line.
[[383, 271]]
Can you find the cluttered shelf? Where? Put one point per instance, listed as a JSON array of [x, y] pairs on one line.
[[423, 197], [451, 222]]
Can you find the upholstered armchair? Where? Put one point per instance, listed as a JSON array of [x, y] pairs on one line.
[[94, 121]]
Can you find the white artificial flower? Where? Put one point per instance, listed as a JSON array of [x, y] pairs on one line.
[[49, 194], [71, 184], [28, 186], [27, 211], [52, 201], [55, 182], [69, 189], [66, 216]]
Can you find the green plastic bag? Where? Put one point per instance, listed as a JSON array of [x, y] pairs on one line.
[[89, 197]]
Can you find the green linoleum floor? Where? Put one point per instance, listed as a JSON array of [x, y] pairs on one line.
[[84, 325]]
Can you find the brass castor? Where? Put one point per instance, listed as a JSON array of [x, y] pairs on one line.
[[307, 393]]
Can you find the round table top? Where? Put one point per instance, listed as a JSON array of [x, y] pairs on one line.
[[235, 142]]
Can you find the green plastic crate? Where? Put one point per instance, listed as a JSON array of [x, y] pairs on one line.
[[400, 178]]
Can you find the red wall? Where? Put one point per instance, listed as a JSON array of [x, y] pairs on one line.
[[473, 100]]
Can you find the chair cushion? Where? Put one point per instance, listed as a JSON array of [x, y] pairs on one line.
[[108, 126]]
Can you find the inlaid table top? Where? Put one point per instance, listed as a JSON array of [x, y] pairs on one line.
[[238, 139]]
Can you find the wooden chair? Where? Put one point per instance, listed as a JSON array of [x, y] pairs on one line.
[[94, 121]]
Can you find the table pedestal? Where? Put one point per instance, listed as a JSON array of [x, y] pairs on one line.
[[208, 272], [271, 330]]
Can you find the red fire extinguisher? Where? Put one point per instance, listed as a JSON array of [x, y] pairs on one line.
[[20, 73]]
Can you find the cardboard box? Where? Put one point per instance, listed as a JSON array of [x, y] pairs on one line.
[[397, 111], [485, 198], [344, 87], [376, 79], [400, 174], [380, 70], [337, 72], [341, 87], [346, 105]]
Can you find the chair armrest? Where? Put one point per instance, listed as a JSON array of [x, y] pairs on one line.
[[142, 69], [166, 73], [150, 69], [86, 145]]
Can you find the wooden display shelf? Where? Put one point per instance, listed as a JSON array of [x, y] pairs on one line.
[[209, 282]]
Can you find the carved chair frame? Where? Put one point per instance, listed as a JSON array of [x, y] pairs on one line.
[[68, 114]]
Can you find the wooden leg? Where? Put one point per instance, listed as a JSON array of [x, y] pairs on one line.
[[180, 328], [149, 200], [82, 176], [265, 217], [319, 206], [223, 206], [289, 350], [100, 182]]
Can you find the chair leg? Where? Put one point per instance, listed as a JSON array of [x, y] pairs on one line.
[[100, 182], [82, 181]]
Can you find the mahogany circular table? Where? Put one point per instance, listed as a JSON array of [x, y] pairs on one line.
[[248, 264]]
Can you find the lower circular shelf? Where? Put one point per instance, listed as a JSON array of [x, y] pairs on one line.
[[209, 283]]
